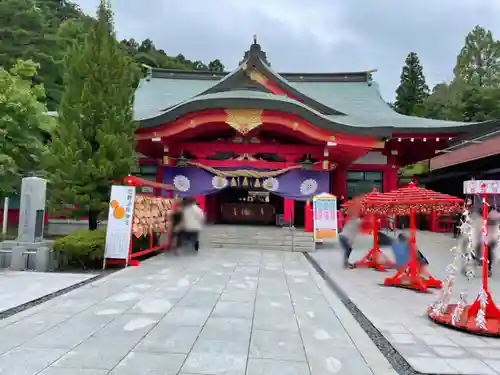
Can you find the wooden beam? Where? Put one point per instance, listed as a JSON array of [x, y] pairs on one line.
[[261, 164], [201, 148]]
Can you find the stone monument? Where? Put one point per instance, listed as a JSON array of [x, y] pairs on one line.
[[32, 209], [30, 242]]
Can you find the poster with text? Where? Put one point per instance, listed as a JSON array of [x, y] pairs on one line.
[[325, 217], [120, 220]]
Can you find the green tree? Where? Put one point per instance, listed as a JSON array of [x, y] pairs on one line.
[[412, 90], [94, 143], [478, 63], [23, 120], [444, 101], [28, 32], [215, 66], [72, 31], [479, 103]]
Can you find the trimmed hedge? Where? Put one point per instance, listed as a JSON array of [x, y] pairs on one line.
[[85, 249], [82, 247]]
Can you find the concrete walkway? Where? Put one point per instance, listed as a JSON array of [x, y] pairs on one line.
[[400, 314], [18, 288], [223, 312]]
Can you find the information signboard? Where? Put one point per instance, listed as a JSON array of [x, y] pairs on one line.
[[120, 220], [325, 217]]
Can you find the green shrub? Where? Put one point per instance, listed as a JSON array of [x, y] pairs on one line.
[[82, 247]]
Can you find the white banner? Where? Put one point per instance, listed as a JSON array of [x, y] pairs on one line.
[[120, 220]]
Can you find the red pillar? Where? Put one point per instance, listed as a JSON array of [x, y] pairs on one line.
[[339, 189], [339, 182], [288, 210], [308, 217], [159, 178], [202, 199], [211, 208], [390, 174]]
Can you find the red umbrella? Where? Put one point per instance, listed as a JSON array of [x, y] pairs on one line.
[[406, 200], [409, 201]]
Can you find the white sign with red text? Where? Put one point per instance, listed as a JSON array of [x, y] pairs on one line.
[[481, 187], [120, 221]]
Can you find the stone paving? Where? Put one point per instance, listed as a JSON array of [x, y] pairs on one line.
[[223, 312], [18, 288], [400, 314]]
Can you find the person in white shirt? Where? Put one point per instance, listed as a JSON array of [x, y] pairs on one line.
[[492, 236], [193, 220]]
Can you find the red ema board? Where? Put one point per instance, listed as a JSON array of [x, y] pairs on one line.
[[132, 217]]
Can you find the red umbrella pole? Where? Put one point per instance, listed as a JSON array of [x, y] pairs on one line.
[[414, 272], [491, 310], [410, 275], [374, 258]]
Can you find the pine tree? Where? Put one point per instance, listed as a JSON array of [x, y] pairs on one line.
[[412, 90], [94, 143]]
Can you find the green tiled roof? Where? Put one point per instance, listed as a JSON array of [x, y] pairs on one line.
[[154, 95], [341, 101], [351, 98], [364, 105], [360, 102]]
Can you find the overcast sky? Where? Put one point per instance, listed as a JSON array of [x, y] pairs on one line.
[[312, 35]]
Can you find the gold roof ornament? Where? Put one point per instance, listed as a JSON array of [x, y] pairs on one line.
[[254, 38]]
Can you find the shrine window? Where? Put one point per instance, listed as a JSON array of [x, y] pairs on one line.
[[146, 169], [362, 182], [148, 172]]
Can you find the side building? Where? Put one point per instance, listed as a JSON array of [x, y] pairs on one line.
[[473, 156]]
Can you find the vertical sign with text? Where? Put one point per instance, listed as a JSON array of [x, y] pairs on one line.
[[325, 217], [120, 221]]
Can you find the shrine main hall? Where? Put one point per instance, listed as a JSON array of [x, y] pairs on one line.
[[253, 145]]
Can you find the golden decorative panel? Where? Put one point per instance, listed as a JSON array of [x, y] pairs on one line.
[[244, 120], [257, 76]]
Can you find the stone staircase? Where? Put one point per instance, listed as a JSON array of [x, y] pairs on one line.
[[257, 237]]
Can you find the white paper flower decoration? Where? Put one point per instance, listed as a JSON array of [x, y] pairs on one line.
[[182, 183], [219, 182], [271, 184], [308, 187]]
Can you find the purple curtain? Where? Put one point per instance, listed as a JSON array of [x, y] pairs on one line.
[[299, 185], [302, 185], [190, 182]]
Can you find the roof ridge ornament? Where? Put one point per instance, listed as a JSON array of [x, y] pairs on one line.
[[255, 52]]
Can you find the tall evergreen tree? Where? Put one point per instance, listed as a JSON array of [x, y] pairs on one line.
[[478, 63], [412, 90], [94, 143]]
